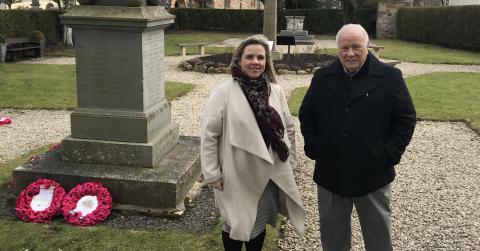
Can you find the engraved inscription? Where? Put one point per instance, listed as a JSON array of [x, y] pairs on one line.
[[153, 67], [109, 70]]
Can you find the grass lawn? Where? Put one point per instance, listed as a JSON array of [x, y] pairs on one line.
[[425, 53], [405, 51], [447, 96], [17, 235], [437, 96], [26, 86], [172, 38], [419, 53], [60, 51]]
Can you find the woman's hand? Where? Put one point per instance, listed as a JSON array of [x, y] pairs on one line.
[[217, 185]]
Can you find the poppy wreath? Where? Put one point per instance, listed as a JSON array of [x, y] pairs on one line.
[[34, 203], [91, 198]]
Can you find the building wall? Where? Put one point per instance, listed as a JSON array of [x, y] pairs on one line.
[[463, 2], [238, 4]]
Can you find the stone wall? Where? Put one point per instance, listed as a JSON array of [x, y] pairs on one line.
[[387, 17]]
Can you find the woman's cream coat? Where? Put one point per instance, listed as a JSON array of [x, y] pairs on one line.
[[233, 149]]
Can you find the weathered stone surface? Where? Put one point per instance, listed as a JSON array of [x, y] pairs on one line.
[[118, 16], [121, 153], [120, 125], [387, 18], [159, 190]]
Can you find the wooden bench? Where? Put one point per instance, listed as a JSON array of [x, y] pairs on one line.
[[23, 45], [375, 49], [201, 47]]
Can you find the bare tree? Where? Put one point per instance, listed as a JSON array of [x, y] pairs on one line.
[[64, 5]]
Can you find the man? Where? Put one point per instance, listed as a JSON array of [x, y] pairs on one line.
[[357, 119]]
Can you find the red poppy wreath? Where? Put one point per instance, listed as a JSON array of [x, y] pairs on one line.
[[40, 201], [87, 204]]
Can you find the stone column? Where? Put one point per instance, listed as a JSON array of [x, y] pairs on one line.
[[35, 4], [121, 131], [270, 21]]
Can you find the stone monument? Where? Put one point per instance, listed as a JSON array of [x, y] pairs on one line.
[[295, 23], [121, 131]]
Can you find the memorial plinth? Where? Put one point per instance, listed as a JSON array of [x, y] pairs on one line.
[[121, 131]]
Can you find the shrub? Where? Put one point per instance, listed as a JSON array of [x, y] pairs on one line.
[[21, 23], [217, 19], [317, 21], [452, 26], [2, 39], [37, 36]]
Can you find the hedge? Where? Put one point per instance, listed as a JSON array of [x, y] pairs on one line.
[[452, 26], [217, 19], [317, 21], [19, 23]]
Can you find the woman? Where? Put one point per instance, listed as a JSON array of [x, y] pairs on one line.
[[248, 149]]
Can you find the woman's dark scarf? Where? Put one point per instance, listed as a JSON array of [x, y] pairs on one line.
[[257, 93]]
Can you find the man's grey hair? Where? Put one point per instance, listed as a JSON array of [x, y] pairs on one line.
[[350, 26]]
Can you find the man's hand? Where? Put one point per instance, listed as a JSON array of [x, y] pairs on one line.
[[217, 185]]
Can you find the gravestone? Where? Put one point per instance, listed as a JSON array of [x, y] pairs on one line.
[[121, 131], [3, 6]]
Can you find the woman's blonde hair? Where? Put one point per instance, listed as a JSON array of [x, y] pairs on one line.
[[256, 39]]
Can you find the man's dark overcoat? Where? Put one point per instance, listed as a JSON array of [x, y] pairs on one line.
[[356, 128]]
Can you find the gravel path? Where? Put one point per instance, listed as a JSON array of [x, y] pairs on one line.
[[435, 195]]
